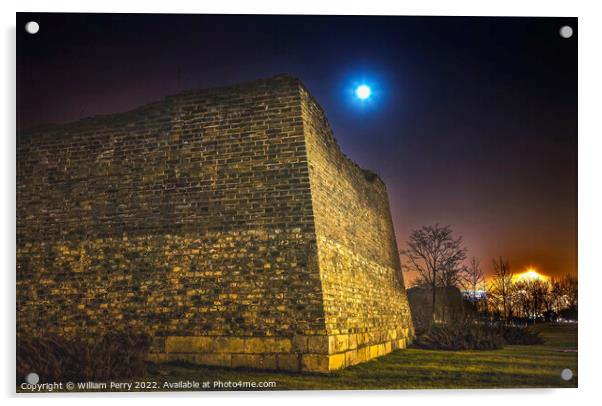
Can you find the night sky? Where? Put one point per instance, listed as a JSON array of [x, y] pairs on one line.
[[472, 122]]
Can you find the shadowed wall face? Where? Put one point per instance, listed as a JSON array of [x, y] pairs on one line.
[[191, 219]]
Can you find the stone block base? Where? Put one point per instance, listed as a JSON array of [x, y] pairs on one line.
[[312, 354]]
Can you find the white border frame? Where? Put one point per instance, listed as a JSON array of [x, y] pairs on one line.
[[590, 196]]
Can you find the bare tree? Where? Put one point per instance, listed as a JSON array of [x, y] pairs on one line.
[[537, 291], [555, 295], [548, 300], [451, 275], [569, 283], [521, 302], [434, 254], [473, 277], [501, 285]]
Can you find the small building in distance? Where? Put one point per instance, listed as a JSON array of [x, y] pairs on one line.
[[449, 305]]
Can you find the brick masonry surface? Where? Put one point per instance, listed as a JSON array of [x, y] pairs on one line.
[[225, 222]]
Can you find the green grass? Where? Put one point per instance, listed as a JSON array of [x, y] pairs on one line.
[[512, 367]]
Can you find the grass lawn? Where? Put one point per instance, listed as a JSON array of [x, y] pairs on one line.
[[514, 366], [534, 366]]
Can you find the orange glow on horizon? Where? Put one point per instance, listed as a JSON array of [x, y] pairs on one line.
[[530, 274]]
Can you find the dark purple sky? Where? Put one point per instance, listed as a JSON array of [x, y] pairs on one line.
[[473, 121]]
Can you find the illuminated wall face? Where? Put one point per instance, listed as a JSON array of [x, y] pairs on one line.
[[209, 221]]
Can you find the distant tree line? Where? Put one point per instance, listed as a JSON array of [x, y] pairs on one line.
[[529, 299], [439, 260]]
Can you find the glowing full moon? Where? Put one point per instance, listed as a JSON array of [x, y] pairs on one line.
[[363, 92]]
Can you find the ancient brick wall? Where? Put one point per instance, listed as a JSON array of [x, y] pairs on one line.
[[192, 219], [366, 309]]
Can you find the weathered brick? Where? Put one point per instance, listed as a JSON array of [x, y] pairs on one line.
[[224, 221], [258, 345], [288, 362], [189, 344], [336, 361], [255, 361], [315, 363], [318, 344], [300, 343], [218, 360], [228, 345], [338, 343]]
